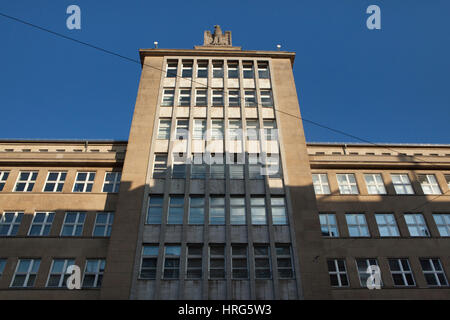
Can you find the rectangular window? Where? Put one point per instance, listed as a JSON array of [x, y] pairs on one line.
[[176, 210], [233, 70], [250, 98], [171, 69], [387, 226], [443, 224], [217, 210], [248, 70], [201, 98], [218, 69], [168, 97], [216, 261], [155, 210], [328, 225], [178, 166], [160, 166], [258, 210], [375, 184], [401, 272], [416, 225], [103, 224], [447, 179], [194, 262], [217, 167], [202, 69], [338, 272], [58, 273], [172, 262], [279, 214], [237, 210], [234, 99], [263, 70], [217, 98], [55, 181], [41, 224], [9, 223], [199, 129], [254, 166], [347, 183], [25, 181], [239, 262], [182, 129], [93, 273], [262, 262], [321, 185], [164, 129], [3, 177], [196, 210], [429, 183], [73, 224], [186, 71], [362, 265], [198, 166], [149, 262], [402, 184], [25, 274], [266, 98], [112, 182], [357, 225], [2, 266], [433, 272], [234, 130], [270, 130], [252, 130], [217, 129], [236, 166], [184, 98], [84, 182], [284, 261]]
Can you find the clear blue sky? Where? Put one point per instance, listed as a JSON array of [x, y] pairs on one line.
[[388, 85]]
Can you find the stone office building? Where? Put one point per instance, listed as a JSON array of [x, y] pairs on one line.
[[216, 195]]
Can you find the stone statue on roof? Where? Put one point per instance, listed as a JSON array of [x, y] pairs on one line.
[[218, 38]]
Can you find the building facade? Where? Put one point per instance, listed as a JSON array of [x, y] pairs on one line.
[[217, 195]]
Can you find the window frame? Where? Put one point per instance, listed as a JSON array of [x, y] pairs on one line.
[[44, 224], [57, 183]]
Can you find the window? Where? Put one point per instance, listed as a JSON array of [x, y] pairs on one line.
[[26, 272], [155, 210], [362, 265], [266, 98], [217, 98], [171, 69], [374, 184], [447, 178], [239, 262], [172, 262], [164, 129], [198, 166], [401, 272], [148, 262], [103, 224], [250, 98], [84, 182], [58, 273], [55, 181], [93, 273], [279, 214], [202, 69], [217, 69], [178, 166], [402, 184], [41, 224], [201, 98], [233, 71], [236, 166], [112, 182], [337, 272], [443, 224], [199, 129], [263, 70], [3, 177], [284, 261], [320, 181], [176, 210], [196, 210], [429, 184], [2, 266], [160, 166], [270, 130], [252, 130], [194, 262], [217, 167], [9, 223], [216, 261], [347, 183], [168, 97], [254, 167], [186, 71], [234, 130], [26, 180], [258, 210], [248, 71], [262, 262], [184, 98], [217, 129], [234, 99], [182, 129], [237, 210], [416, 225], [387, 226], [357, 225], [73, 224], [328, 225], [433, 272], [217, 210]]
